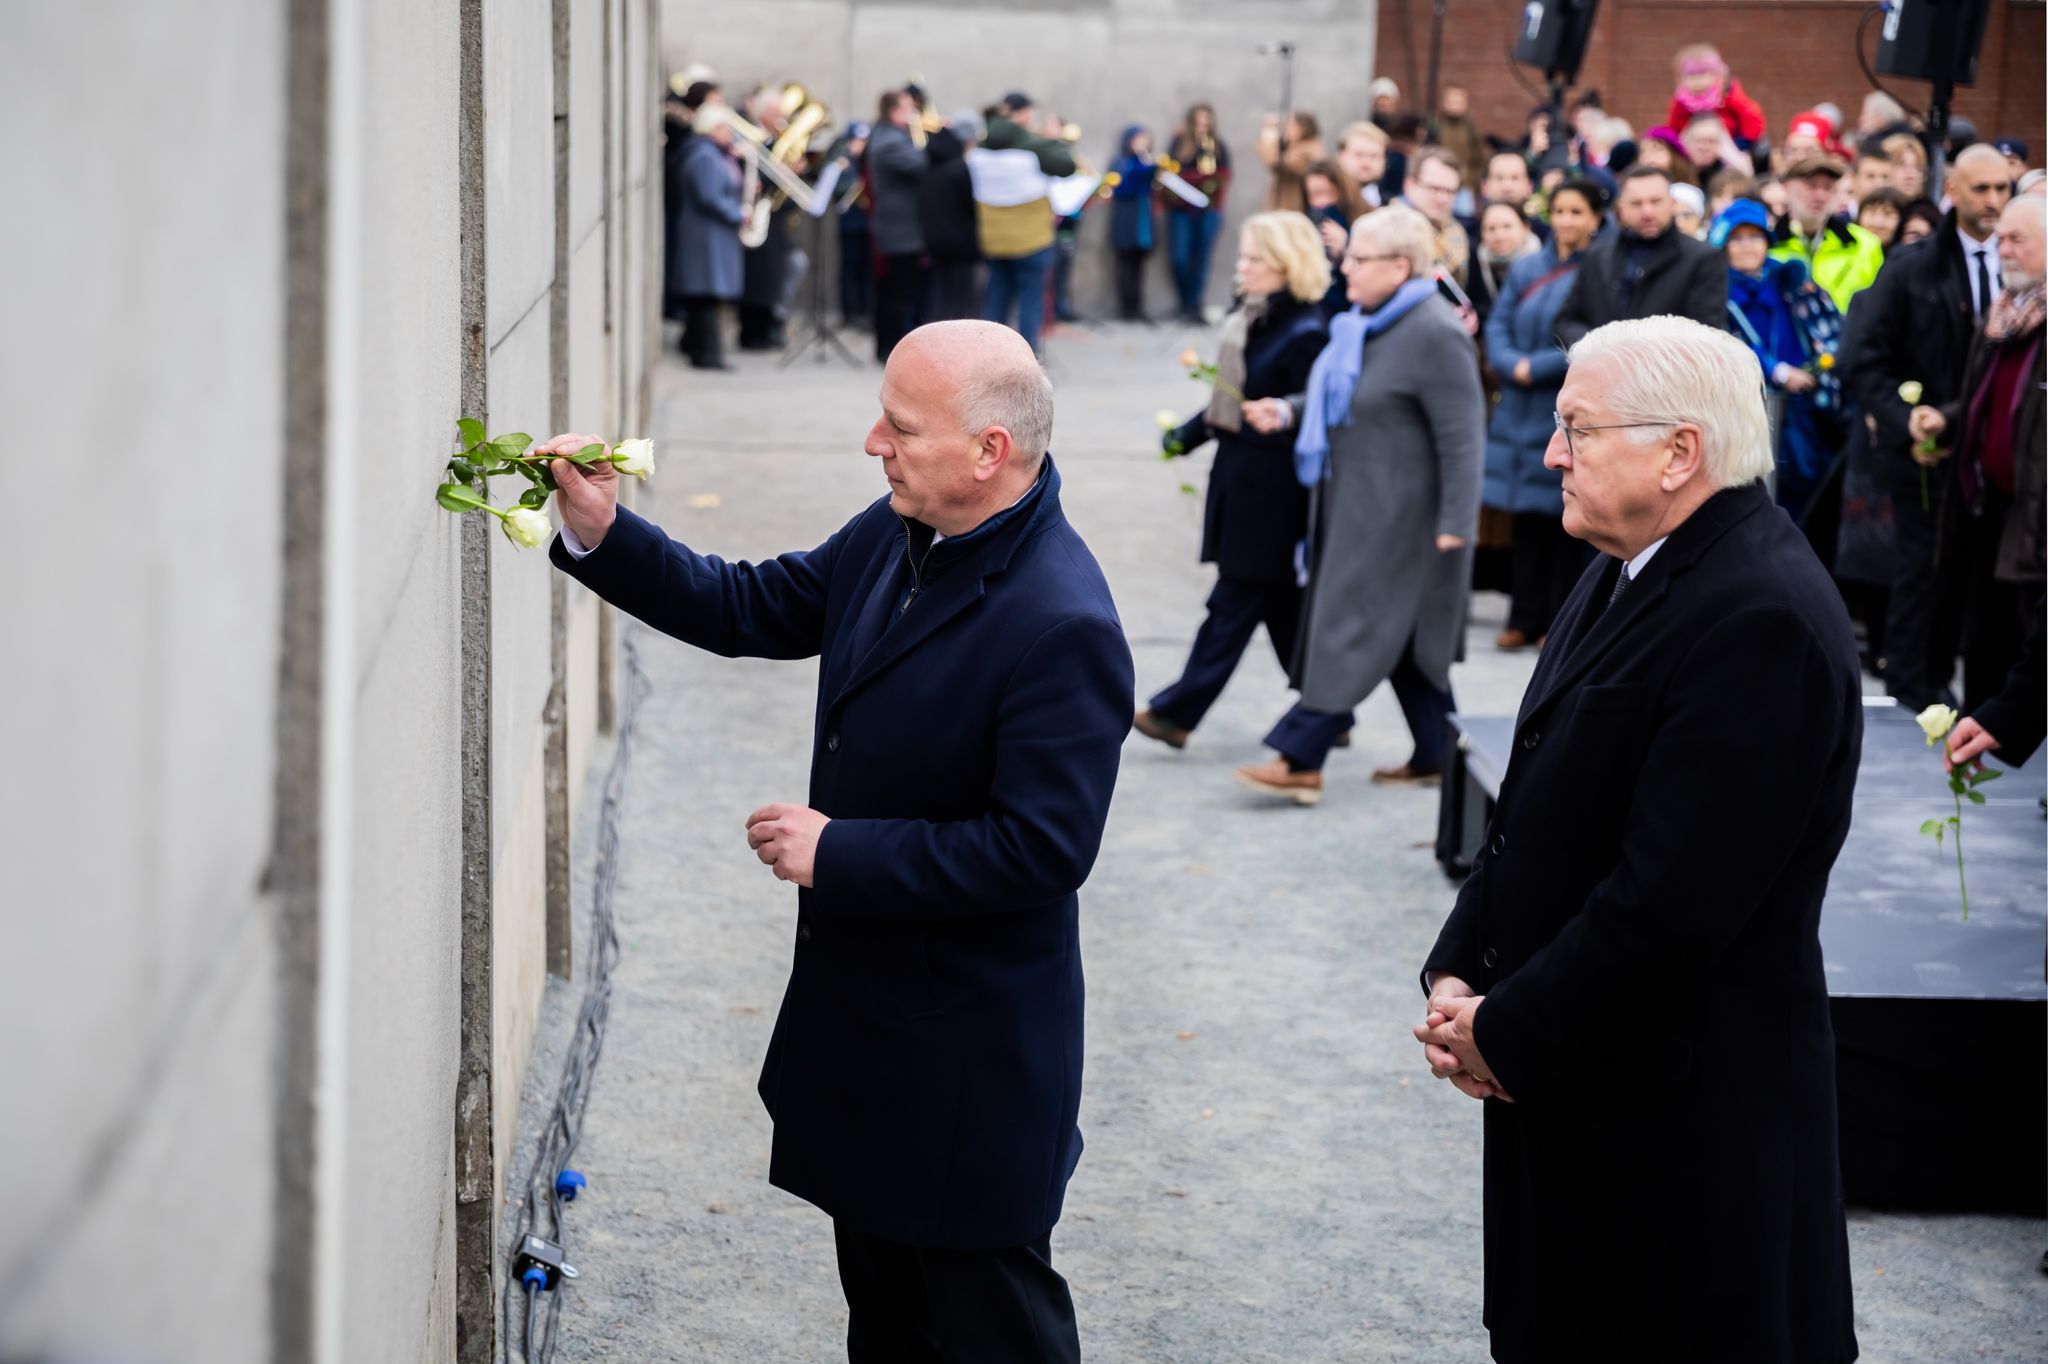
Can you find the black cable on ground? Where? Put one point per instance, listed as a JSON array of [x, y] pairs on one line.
[[546, 1190]]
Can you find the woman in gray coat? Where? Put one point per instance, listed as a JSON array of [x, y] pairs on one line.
[[711, 264], [1391, 443]]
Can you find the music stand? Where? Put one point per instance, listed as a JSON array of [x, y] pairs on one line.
[[818, 329]]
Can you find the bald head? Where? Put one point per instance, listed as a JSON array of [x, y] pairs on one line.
[[1980, 182], [994, 379], [966, 423]]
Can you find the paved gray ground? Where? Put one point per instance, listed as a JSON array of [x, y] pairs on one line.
[[1271, 1175]]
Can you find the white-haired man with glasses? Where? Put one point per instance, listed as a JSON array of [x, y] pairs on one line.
[[1631, 977]]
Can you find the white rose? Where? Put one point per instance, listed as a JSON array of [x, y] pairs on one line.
[[1909, 392], [528, 527], [635, 457], [1936, 721], [1167, 420]]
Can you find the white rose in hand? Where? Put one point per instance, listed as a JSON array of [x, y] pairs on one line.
[[586, 494], [1936, 721], [635, 457], [528, 527]]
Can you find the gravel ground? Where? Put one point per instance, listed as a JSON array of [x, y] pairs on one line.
[[1271, 1174]]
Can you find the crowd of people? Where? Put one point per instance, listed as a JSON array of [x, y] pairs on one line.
[[1854, 269], [1895, 315]]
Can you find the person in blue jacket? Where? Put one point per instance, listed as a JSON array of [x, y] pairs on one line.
[[1795, 329], [974, 693], [1131, 230], [1521, 347]]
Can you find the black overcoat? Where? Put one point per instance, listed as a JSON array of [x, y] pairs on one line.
[[1644, 924], [925, 1072], [1681, 277], [1256, 511]]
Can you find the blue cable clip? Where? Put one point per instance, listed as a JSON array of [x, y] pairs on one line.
[[568, 1184]]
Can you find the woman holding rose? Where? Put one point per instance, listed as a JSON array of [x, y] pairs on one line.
[[1256, 511]]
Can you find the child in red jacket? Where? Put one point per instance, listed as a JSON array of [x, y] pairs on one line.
[[1705, 86]]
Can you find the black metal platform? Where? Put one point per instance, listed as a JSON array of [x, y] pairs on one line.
[[1941, 1025]]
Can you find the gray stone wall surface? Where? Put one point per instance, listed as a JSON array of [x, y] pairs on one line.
[[234, 727]]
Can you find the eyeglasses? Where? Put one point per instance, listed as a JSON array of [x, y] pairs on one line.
[[1570, 431]]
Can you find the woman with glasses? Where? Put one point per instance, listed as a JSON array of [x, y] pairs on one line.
[[1257, 511], [1390, 440], [1521, 346]]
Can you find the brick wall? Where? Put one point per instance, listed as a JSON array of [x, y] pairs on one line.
[[1788, 54]]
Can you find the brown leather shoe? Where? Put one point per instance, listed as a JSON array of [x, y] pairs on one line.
[[1152, 727], [1509, 641], [1303, 788], [1404, 775]]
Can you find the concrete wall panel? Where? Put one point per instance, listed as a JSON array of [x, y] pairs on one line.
[[586, 116], [135, 817], [519, 159]]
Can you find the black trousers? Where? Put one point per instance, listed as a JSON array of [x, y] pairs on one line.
[[1543, 567], [911, 1305], [1236, 609], [1130, 285], [1995, 614], [899, 302], [701, 342], [1923, 620], [955, 295]]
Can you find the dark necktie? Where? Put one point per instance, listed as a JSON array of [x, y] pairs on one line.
[[1621, 583], [1984, 296]]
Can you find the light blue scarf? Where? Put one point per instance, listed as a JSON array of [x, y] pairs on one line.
[[1335, 376]]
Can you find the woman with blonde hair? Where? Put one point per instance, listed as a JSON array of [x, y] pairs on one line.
[[1909, 164], [1391, 440], [1256, 511]]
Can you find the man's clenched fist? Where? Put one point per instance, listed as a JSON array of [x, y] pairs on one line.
[[785, 837]]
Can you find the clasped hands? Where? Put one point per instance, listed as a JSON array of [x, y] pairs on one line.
[[1448, 1043]]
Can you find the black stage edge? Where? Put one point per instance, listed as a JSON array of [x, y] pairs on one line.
[[1941, 1026]]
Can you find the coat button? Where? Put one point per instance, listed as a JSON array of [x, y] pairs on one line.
[[1500, 844], [803, 934], [1531, 739], [832, 742], [1489, 958]]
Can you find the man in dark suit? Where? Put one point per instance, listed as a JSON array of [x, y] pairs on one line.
[[1646, 269], [1632, 975], [974, 693], [1914, 325]]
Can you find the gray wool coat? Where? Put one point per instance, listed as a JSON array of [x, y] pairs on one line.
[[710, 263], [1406, 470]]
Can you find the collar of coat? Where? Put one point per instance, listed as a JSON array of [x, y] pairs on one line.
[[1586, 640], [999, 535]]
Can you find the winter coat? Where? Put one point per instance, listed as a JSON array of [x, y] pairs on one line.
[[710, 262], [946, 201], [1523, 326], [1678, 276], [925, 1071], [1725, 679], [1130, 204], [1406, 470], [1256, 511], [899, 169]]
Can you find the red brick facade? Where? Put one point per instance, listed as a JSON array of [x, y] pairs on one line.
[[1788, 54]]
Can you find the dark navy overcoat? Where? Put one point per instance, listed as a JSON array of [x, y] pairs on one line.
[[925, 1072]]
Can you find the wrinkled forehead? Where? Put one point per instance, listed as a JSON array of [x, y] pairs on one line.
[[1584, 395]]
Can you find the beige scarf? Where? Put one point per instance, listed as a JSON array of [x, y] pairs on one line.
[[1226, 409]]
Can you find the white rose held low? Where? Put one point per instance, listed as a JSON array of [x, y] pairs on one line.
[[528, 527], [1936, 722], [484, 457]]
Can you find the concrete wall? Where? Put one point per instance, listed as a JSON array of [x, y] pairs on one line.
[[1102, 63], [237, 736]]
